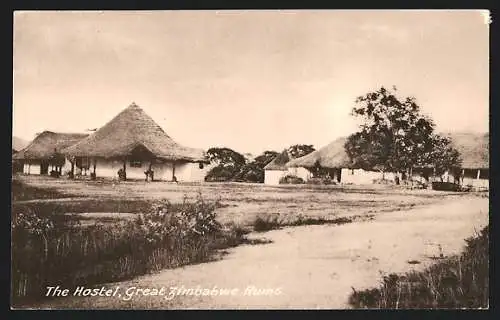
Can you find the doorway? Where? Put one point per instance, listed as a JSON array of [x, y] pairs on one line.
[[44, 167]]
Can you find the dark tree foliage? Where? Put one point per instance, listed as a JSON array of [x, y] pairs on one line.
[[228, 164], [395, 136], [232, 166], [442, 155], [221, 173], [226, 157], [251, 172], [300, 150], [266, 157]]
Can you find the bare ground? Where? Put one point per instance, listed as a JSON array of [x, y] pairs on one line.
[[313, 266], [242, 202]]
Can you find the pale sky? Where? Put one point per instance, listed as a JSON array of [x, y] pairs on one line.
[[251, 81]]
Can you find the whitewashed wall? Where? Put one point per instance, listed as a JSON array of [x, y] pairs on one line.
[[33, 168], [468, 181], [360, 176], [300, 172], [272, 177], [189, 172]]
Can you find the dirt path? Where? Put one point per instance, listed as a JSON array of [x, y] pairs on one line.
[[313, 266]]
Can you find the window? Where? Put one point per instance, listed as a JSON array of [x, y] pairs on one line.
[[200, 165], [352, 171], [135, 163]]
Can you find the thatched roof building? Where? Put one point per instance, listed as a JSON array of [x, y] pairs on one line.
[[473, 148], [332, 156], [129, 130], [18, 144], [47, 143], [279, 162]]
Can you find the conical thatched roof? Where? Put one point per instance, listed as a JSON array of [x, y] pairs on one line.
[[47, 143], [473, 148], [279, 162], [332, 155], [130, 129]]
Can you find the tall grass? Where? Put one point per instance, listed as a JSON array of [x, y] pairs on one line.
[[275, 221], [456, 282], [48, 251], [22, 191]]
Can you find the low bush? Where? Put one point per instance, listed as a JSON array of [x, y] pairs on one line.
[[320, 181], [291, 179], [47, 250], [456, 282], [266, 223], [445, 186]]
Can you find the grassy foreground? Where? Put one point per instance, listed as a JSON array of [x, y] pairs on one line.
[[48, 250], [455, 282]]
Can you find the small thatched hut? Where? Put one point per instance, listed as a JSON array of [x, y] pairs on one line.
[[43, 154], [474, 153], [276, 169], [134, 143], [18, 144], [333, 160]]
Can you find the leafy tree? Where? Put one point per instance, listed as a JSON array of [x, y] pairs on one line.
[[226, 157], [395, 136], [266, 157], [442, 156], [221, 173], [251, 172], [228, 164], [300, 150]]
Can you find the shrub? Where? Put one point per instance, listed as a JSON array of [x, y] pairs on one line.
[[222, 173], [320, 181], [456, 282], [55, 174], [291, 179], [250, 172], [47, 250], [266, 223], [445, 186]]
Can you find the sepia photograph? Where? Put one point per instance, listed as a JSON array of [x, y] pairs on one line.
[[250, 159]]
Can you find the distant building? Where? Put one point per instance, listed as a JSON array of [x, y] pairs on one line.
[[333, 160], [473, 171], [276, 169], [18, 144], [474, 153], [43, 154]]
